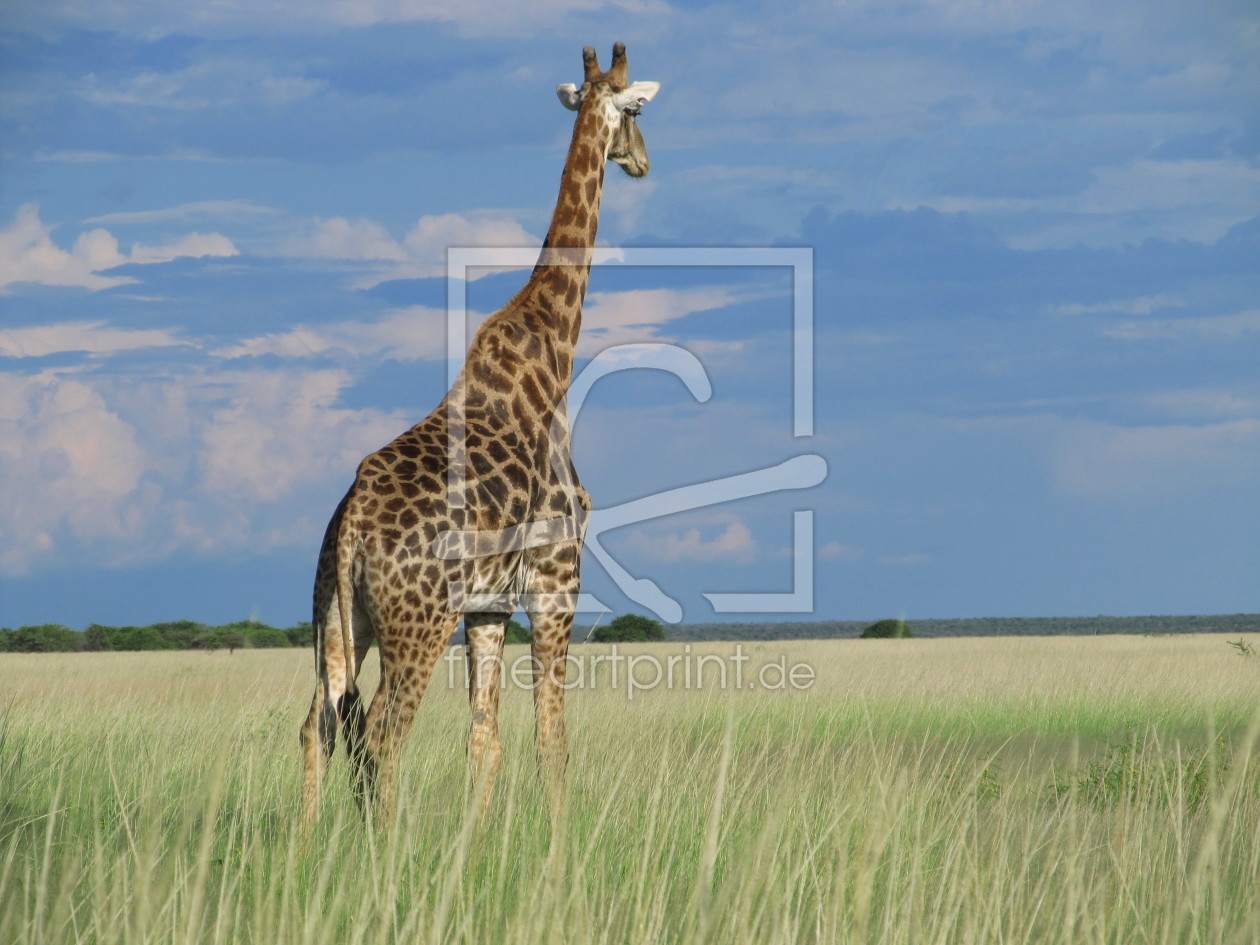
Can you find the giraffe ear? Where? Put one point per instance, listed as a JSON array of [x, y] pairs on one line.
[[569, 96], [636, 92]]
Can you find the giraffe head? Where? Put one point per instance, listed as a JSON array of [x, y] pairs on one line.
[[618, 101]]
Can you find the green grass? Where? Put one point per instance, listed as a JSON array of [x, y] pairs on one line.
[[921, 791]]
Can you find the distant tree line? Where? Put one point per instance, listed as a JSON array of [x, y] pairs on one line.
[[251, 634], [973, 627], [190, 635], [172, 635]]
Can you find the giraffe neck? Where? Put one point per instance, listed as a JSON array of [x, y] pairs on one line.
[[558, 282]]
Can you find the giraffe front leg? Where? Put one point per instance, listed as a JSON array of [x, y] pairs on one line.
[[551, 628], [385, 726], [485, 634]]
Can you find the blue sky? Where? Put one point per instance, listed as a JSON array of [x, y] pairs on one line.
[[1035, 232]]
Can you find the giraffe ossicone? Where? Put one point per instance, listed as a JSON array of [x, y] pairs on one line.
[[476, 509]]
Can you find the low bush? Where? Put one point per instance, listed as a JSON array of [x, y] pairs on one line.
[[887, 630], [630, 628]]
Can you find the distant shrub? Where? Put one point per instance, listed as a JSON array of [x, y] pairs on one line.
[[41, 638], [301, 634], [516, 633], [172, 635], [138, 638], [887, 630], [97, 638], [266, 638], [988, 787], [630, 628], [1136, 770], [180, 634], [1244, 648], [252, 633], [220, 638]]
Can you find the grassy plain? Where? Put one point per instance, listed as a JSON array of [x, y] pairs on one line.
[[1017, 790]]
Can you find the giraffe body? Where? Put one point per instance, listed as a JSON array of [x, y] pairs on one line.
[[476, 510]]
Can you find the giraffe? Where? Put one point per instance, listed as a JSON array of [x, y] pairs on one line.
[[477, 509]]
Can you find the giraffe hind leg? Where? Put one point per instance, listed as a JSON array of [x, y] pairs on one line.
[[328, 717], [354, 718], [319, 734]]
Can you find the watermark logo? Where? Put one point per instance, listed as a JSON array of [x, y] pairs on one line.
[[802, 471], [635, 673]]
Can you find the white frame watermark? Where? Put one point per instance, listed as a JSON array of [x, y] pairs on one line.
[[799, 472]]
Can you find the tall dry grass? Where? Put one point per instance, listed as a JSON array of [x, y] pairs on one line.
[[1012, 790]]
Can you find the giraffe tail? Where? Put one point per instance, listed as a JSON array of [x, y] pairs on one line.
[[346, 546]]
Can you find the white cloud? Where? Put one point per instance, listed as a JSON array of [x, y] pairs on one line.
[[733, 543], [1104, 460], [1197, 200], [845, 554], [904, 561], [954, 204], [417, 332], [279, 430], [196, 210], [1130, 464], [1203, 403], [131, 471], [28, 254], [1208, 327], [189, 246], [339, 238], [68, 465], [37, 341], [430, 238], [884, 89], [80, 157], [242, 18], [1193, 80], [1142, 305], [1146, 185], [421, 253], [409, 334], [615, 318], [623, 202], [490, 17], [100, 157], [738, 174], [210, 84]]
